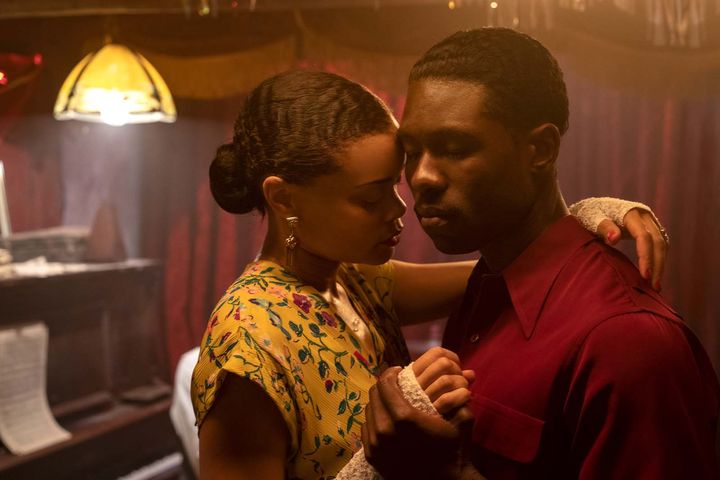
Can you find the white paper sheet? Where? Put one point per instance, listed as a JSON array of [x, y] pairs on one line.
[[26, 423]]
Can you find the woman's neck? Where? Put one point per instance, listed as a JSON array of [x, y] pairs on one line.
[[312, 269]]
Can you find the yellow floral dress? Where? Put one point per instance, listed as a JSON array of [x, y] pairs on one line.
[[282, 334]]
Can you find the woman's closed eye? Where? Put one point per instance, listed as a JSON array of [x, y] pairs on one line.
[[379, 194], [370, 195], [371, 201]]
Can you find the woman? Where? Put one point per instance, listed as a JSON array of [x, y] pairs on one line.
[[304, 331]]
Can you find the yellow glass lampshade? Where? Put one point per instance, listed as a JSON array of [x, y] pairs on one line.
[[115, 85]]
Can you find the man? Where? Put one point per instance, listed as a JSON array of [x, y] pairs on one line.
[[582, 370]]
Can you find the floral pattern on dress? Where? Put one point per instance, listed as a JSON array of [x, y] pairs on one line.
[[282, 334]]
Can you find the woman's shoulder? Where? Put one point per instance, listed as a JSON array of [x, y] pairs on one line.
[[261, 278], [248, 335], [262, 283], [253, 304]]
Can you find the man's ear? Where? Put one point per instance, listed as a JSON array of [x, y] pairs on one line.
[[544, 141], [279, 196]]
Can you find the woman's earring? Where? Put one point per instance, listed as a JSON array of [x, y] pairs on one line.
[[291, 241]]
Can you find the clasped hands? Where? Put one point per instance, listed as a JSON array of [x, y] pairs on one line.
[[403, 442]]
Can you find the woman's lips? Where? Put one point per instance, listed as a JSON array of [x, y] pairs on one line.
[[392, 241]]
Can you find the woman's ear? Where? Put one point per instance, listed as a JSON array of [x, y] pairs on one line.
[[545, 144], [279, 196]]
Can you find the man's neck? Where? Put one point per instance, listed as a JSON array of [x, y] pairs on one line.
[[503, 250]]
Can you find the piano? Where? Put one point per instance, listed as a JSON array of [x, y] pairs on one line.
[[107, 375]]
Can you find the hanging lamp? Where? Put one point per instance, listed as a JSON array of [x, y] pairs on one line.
[[116, 86]]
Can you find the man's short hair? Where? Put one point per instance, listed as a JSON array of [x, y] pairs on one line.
[[524, 80]]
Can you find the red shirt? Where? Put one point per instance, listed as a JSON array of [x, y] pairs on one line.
[[582, 370]]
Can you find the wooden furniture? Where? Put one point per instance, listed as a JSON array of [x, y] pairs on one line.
[[107, 380]]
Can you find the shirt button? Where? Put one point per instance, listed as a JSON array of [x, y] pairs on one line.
[[474, 338]]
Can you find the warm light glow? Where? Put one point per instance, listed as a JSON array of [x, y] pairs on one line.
[[3, 78], [204, 8], [451, 5], [493, 4], [113, 106], [115, 86]]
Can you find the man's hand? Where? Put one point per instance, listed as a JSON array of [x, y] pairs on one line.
[[651, 242], [402, 442]]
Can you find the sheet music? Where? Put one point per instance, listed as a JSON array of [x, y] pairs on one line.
[[26, 423]]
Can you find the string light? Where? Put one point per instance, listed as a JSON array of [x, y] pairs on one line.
[[204, 9], [493, 5], [451, 5]]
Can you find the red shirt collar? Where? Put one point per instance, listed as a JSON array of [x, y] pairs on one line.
[[529, 277]]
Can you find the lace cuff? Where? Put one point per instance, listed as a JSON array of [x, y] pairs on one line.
[[591, 211], [358, 468]]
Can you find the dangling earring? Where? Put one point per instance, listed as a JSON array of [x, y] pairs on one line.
[[291, 241]]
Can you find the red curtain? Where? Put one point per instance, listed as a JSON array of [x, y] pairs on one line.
[[663, 151], [645, 125], [32, 173]]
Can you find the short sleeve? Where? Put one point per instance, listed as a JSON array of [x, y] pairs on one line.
[[283, 335], [234, 344]]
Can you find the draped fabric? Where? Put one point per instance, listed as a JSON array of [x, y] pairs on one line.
[[32, 175], [645, 125], [664, 152]]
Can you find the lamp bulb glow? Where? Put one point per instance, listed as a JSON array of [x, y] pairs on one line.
[[114, 109]]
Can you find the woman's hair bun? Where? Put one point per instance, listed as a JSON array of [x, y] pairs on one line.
[[293, 126], [229, 183]]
